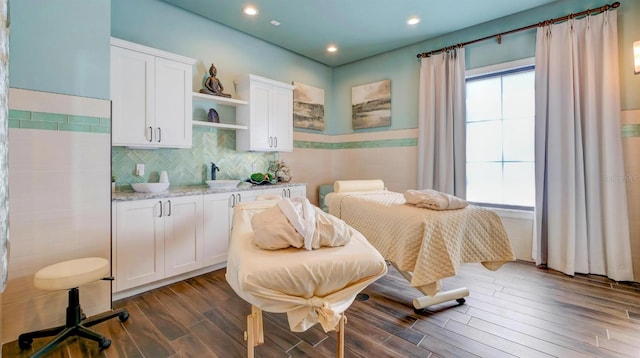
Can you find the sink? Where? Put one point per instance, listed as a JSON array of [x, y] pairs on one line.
[[149, 187], [223, 184]]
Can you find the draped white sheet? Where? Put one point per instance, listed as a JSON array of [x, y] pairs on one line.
[[441, 123], [582, 223]]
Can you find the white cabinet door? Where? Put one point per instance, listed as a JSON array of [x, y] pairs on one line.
[[173, 104], [269, 115], [183, 244], [151, 97], [139, 253], [132, 84], [297, 191], [216, 228], [288, 191], [281, 120]]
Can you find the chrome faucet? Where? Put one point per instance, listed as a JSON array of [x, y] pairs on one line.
[[214, 168]]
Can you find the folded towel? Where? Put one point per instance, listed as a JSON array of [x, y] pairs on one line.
[[435, 200], [297, 223]]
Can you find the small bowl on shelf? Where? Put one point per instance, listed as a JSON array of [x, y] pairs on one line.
[[150, 187]]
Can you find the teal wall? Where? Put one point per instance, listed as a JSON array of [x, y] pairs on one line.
[[60, 46], [402, 67], [160, 25]]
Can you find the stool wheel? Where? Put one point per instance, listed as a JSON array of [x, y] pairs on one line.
[[24, 343], [104, 343], [123, 316]]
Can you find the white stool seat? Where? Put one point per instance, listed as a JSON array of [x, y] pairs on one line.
[[73, 273]]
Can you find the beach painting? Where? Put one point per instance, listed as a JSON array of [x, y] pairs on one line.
[[371, 105], [308, 107]]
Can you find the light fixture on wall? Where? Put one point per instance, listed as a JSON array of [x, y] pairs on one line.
[[636, 57]]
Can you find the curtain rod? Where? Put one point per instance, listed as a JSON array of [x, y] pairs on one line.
[[587, 12]]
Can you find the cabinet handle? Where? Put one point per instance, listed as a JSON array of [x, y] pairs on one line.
[[270, 142], [169, 201], [288, 193], [284, 193], [239, 197], [150, 134], [159, 134], [233, 200], [275, 142], [160, 202]]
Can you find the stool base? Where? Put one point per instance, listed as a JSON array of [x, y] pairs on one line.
[[75, 325]]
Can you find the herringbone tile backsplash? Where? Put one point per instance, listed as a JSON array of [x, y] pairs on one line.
[[188, 167]]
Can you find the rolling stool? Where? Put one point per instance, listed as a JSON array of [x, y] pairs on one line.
[[69, 275]]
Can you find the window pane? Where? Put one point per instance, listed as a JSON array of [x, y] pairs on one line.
[[519, 141], [501, 138], [484, 182], [519, 183], [518, 92], [484, 141], [484, 99]]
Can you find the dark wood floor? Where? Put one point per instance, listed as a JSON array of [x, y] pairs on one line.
[[519, 311]]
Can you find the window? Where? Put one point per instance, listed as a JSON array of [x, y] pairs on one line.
[[500, 136]]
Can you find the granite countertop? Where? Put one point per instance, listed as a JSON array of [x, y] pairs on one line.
[[193, 190]]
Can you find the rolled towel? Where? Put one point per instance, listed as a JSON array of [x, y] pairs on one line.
[[433, 199], [341, 186]]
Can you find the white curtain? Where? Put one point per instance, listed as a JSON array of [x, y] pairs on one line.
[[582, 223], [441, 123]]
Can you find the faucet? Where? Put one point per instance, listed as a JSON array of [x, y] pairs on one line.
[[214, 168]]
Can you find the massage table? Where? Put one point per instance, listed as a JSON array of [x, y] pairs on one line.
[[424, 245], [310, 286]]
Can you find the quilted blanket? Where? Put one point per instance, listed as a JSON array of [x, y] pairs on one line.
[[428, 243]]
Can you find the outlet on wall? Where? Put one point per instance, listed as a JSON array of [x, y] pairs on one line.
[[254, 167], [139, 169]]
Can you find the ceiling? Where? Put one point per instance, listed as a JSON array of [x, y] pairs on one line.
[[359, 28]]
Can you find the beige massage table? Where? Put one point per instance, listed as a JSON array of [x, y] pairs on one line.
[[311, 287], [425, 245]]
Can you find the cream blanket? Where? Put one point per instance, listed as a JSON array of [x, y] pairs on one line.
[[311, 286], [434, 200], [430, 244], [296, 223]]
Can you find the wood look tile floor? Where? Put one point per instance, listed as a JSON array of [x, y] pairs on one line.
[[517, 311]]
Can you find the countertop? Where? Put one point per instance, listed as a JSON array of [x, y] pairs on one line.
[[194, 190]]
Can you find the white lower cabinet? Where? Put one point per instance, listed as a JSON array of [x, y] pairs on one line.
[[218, 217], [287, 192], [157, 238]]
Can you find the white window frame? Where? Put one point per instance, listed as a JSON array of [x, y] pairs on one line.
[[489, 70]]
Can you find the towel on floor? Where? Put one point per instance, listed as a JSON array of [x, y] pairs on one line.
[[433, 199], [296, 223]]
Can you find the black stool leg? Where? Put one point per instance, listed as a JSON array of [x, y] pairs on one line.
[[73, 327]]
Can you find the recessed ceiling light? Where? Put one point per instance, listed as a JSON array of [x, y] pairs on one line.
[[275, 23], [250, 10], [332, 48], [413, 20]]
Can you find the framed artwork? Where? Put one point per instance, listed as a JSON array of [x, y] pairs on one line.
[[371, 105], [308, 106]]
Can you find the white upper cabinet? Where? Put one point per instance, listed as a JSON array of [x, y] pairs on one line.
[[269, 115], [151, 97]]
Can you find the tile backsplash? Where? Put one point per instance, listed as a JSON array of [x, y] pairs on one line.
[[188, 167]]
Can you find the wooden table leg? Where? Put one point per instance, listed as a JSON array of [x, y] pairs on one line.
[[340, 331], [255, 333]]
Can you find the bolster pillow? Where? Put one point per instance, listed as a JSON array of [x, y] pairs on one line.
[[357, 185]]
